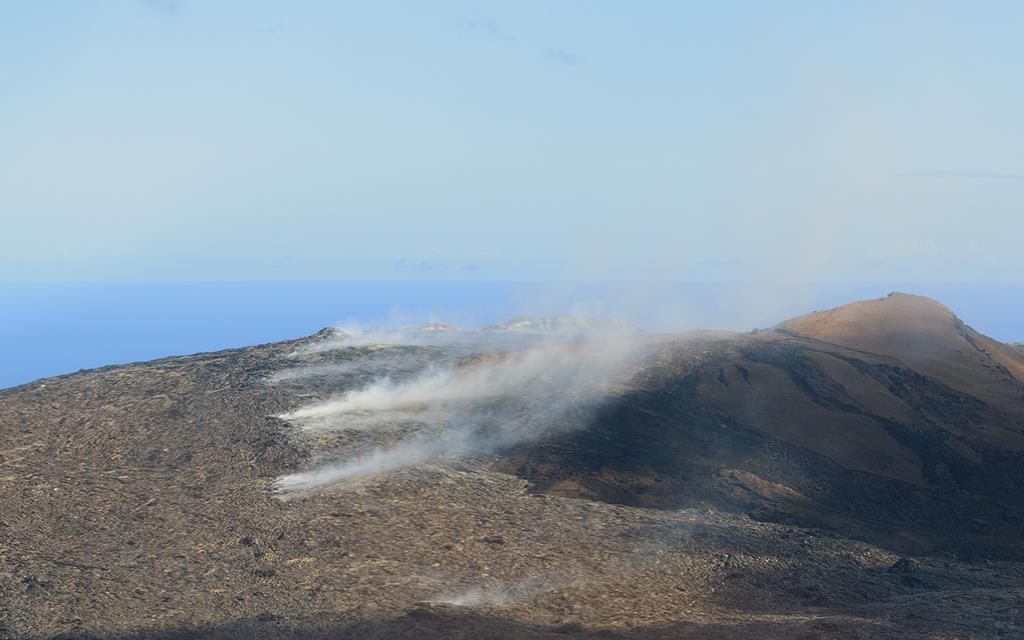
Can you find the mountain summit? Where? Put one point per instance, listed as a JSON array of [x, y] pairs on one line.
[[887, 417]]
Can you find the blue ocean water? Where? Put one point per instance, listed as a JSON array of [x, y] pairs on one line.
[[54, 328]]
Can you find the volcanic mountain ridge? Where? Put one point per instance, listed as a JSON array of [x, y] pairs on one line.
[[857, 472]]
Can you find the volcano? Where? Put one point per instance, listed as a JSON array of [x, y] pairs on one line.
[[855, 472]]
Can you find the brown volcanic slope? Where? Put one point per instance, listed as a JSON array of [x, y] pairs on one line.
[[889, 418], [734, 485], [929, 338]]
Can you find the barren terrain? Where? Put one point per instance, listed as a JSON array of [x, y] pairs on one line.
[[855, 473]]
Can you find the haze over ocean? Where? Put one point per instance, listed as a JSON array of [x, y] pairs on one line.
[[50, 329], [428, 159]]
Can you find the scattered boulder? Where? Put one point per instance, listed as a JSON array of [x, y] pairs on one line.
[[904, 566]]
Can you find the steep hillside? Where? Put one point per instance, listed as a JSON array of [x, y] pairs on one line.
[[889, 419], [927, 337]]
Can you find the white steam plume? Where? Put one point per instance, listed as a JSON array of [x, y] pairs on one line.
[[494, 402], [380, 461], [495, 595]]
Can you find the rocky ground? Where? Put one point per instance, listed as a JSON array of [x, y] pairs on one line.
[[138, 501]]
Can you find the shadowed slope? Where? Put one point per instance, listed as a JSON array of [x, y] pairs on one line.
[[889, 418]]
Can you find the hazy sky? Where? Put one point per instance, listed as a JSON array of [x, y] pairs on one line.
[[187, 139]]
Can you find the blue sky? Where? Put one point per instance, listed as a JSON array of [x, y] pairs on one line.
[[701, 141]]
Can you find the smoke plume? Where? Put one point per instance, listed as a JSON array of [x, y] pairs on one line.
[[480, 404], [495, 595]]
